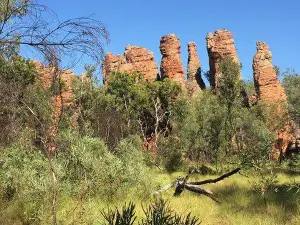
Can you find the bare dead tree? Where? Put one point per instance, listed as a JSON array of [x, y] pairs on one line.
[[181, 183], [27, 23], [160, 115]]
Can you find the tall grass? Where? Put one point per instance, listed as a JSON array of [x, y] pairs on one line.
[[241, 203]]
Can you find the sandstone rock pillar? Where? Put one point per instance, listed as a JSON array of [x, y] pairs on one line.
[[220, 46], [171, 64], [195, 81], [273, 96], [266, 82]]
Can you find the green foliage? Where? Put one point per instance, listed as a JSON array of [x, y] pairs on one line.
[[291, 82], [127, 106], [23, 100], [156, 213], [217, 129], [170, 154], [160, 213], [125, 217], [97, 113], [86, 165], [25, 182], [17, 70], [230, 82], [201, 134]]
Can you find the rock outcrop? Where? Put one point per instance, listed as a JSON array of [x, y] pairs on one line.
[[267, 84], [135, 59], [220, 46], [48, 75], [194, 79], [171, 64], [271, 93], [111, 64]]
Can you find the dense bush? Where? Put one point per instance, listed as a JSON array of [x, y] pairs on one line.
[[25, 181], [291, 82], [86, 166]]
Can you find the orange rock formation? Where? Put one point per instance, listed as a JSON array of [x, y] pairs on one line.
[[220, 46], [266, 81], [272, 94], [171, 65], [135, 59], [195, 81]]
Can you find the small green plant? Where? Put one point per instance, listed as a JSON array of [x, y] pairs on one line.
[[124, 217], [156, 213], [160, 213]]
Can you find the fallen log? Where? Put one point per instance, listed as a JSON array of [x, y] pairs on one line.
[[182, 183], [202, 191], [209, 181]]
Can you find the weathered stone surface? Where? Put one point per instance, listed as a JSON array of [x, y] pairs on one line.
[[135, 59], [194, 79], [272, 94], [171, 64], [220, 46], [142, 61], [111, 63], [266, 82]]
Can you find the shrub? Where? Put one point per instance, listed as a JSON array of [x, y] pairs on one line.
[[25, 181], [86, 163]]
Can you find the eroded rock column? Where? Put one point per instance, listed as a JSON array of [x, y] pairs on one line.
[[171, 64], [271, 93], [195, 81], [220, 46], [267, 84]]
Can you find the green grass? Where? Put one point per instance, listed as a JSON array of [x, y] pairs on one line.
[[241, 204]]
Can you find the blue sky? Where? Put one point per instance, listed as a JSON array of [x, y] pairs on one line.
[[143, 23]]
